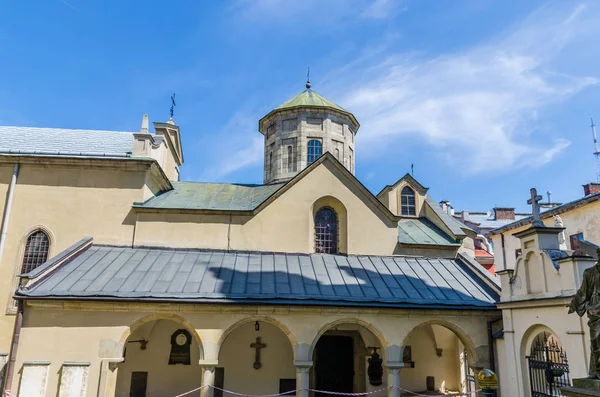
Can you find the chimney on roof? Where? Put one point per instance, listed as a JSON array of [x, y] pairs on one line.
[[464, 215], [144, 129], [504, 213], [591, 188], [444, 204]]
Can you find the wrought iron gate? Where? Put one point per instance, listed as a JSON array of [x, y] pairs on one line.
[[548, 368]]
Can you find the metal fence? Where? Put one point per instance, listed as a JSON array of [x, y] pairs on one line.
[[548, 367]]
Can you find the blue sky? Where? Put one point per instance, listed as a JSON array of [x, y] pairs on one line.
[[486, 99]]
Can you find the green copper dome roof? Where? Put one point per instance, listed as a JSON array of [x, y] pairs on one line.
[[309, 98]]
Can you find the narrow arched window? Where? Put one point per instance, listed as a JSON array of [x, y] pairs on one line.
[[315, 150], [36, 251], [271, 165], [326, 231], [407, 197], [290, 159], [337, 154]]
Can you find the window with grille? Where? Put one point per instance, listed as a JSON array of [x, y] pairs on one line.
[[315, 150], [407, 197], [36, 251], [326, 231]]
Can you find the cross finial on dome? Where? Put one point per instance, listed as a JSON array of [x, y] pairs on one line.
[[308, 79]]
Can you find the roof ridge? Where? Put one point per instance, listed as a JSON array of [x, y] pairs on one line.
[[64, 129]]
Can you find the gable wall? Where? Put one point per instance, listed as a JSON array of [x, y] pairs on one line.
[[285, 225]]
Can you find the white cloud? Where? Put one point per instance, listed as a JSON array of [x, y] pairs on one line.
[[238, 145], [477, 107], [381, 9]]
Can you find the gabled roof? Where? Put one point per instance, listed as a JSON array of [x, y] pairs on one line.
[[486, 220], [561, 209], [421, 231], [65, 142], [410, 180], [310, 99], [212, 196], [193, 276]]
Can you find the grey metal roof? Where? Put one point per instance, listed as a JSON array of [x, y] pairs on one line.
[[452, 224], [212, 196], [142, 274], [487, 221], [30, 140], [421, 231]]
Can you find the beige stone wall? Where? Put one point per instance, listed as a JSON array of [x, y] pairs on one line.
[[91, 332], [285, 225]]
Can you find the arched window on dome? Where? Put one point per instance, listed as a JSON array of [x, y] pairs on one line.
[[326, 231], [315, 150], [290, 159], [36, 251], [407, 200]]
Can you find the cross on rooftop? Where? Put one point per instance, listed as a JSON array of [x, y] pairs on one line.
[[535, 207]]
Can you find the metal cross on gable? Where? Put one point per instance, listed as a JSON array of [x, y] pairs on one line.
[[257, 345], [535, 207]]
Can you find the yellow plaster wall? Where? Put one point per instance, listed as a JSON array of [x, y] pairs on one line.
[[163, 379], [68, 203], [285, 225], [237, 358], [427, 363]]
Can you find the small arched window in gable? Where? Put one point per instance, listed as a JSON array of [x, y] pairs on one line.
[[36, 251], [326, 231], [315, 150], [407, 198]]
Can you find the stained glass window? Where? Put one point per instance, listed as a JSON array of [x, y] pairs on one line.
[[326, 231], [36, 251], [408, 202], [315, 150]]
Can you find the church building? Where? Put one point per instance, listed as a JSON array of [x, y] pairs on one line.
[[120, 280]]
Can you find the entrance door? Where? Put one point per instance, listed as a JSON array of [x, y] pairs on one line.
[[334, 369]]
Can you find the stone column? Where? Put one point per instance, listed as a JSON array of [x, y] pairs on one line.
[[393, 379], [303, 377], [208, 380]]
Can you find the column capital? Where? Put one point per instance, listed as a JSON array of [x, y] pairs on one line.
[[206, 364], [303, 364], [395, 364]]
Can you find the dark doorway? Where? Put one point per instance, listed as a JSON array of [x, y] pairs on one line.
[[334, 369], [139, 381]]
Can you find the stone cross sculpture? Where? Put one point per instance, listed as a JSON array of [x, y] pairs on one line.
[[535, 207], [257, 345], [587, 299]]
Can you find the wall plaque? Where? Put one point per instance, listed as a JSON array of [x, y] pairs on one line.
[[180, 347]]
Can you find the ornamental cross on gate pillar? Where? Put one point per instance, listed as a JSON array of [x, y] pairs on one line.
[[257, 345], [535, 207]]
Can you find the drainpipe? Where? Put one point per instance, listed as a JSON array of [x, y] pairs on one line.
[[13, 349], [503, 252], [11, 192]]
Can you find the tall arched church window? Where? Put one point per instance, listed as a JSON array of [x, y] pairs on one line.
[[36, 251], [407, 197], [315, 150], [326, 231]]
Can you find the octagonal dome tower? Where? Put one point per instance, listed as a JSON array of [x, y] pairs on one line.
[[300, 130]]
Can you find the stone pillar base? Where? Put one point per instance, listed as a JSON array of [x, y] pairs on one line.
[[582, 387]]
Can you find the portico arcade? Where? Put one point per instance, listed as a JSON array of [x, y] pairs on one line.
[[221, 352]]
